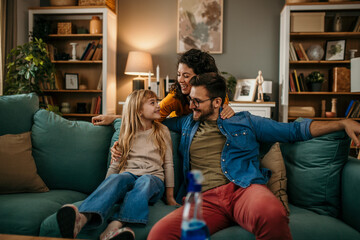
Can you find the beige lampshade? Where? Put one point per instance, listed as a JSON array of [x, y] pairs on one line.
[[139, 63]]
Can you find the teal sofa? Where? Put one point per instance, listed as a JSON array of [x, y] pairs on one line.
[[72, 159]]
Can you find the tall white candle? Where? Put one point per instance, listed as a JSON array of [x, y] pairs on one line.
[[167, 83], [157, 73]]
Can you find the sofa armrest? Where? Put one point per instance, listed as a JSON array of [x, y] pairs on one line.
[[351, 193]]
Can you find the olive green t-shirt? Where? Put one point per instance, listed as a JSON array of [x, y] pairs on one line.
[[205, 154]]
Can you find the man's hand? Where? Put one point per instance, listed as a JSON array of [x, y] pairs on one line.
[[352, 128], [104, 119], [227, 112], [115, 154]]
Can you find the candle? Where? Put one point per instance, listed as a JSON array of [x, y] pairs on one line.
[[149, 79], [167, 83], [157, 73]]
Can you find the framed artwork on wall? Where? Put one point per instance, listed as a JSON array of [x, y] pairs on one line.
[[335, 50], [71, 81], [200, 25], [245, 90]]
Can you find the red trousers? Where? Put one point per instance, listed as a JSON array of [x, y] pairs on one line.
[[255, 209]]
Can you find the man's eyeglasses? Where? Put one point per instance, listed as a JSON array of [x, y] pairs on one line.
[[196, 101]]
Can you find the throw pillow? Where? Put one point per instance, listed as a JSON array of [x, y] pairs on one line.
[[314, 172], [18, 171], [277, 184]]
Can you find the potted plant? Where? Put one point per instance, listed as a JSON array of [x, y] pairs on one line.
[[230, 84], [29, 66], [315, 80]]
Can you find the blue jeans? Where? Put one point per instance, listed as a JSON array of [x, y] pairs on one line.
[[135, 192]]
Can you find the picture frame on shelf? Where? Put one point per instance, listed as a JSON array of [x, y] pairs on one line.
[[335, 50], [71, 81], [245, 90], [200, 25]]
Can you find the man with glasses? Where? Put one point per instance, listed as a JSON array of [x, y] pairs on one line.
[[226, 151]]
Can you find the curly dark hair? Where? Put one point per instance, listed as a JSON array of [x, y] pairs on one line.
[[200, 62]]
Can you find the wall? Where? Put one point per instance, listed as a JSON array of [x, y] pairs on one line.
[[250, 38], [23, 19]]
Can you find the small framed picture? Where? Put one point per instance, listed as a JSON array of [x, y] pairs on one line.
[[72, 81], [245, 90], [335, 50]]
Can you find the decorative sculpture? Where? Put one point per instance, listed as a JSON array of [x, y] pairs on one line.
[[259, 82]]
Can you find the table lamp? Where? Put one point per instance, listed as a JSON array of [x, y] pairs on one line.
[[139, 64], [267, 90]]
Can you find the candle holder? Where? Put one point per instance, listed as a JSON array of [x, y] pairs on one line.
[[73, 51], [352, 53]]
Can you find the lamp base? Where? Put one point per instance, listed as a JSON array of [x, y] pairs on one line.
[[138, 83]]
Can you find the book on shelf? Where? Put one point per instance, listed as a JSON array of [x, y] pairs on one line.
[[303, 84], [349, 107], [352, 109], [299, 53], [292, 54], [85, 51], [91, 51], [98, 51], [99, 85], [98, 105], [292, 83], [303, 52], [356, 110], [297, 81], [357, 25], [340, 79], [59, 80], [93, 105]]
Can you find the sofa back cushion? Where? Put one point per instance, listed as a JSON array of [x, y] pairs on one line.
[[70, 154], [16, 113], [313, 170]]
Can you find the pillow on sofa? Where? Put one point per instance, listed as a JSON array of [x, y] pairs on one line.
[[17, 112], [70, 154], [277, 184], [313, 170], [18, 171]]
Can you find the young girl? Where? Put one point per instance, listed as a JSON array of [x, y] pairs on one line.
[[136, 179]]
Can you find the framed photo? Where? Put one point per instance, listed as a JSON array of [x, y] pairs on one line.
[[200, 25], [72, 81], [335, 50], [245, 90]]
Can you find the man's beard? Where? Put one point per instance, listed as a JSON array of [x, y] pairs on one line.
[[205, 114]]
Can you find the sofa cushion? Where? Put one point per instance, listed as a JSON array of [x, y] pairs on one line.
[[313, 170], [23, 213], [18, 171], [19, 111], [70, 154], [277, 183]]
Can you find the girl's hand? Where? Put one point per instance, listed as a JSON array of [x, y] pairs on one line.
[[227, 112], [171, 202], [115, 154]]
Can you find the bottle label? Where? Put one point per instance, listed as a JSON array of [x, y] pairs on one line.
[[194, 230]]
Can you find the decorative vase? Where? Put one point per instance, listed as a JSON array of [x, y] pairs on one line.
[[315, 52], [337, 23], [95, 25], [316, 87]]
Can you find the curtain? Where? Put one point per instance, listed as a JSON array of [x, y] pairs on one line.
[[8, 22]]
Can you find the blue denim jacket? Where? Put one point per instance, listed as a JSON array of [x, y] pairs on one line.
[[243, 132]]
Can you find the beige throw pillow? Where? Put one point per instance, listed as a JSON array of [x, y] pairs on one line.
[[18, 171], [274, 161]]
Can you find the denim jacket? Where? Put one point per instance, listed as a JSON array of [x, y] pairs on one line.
[[243, 132]]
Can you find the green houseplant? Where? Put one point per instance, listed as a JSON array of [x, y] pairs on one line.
[[315, 80], [29, 66], [230, 84]]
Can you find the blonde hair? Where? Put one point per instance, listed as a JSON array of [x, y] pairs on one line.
[[132, 123]]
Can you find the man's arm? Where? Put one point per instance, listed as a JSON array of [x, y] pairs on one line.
[[175, 124], [352, 128]]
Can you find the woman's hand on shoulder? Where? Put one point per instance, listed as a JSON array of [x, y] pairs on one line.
[[227, 112], [115, 154], [104, 119]]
